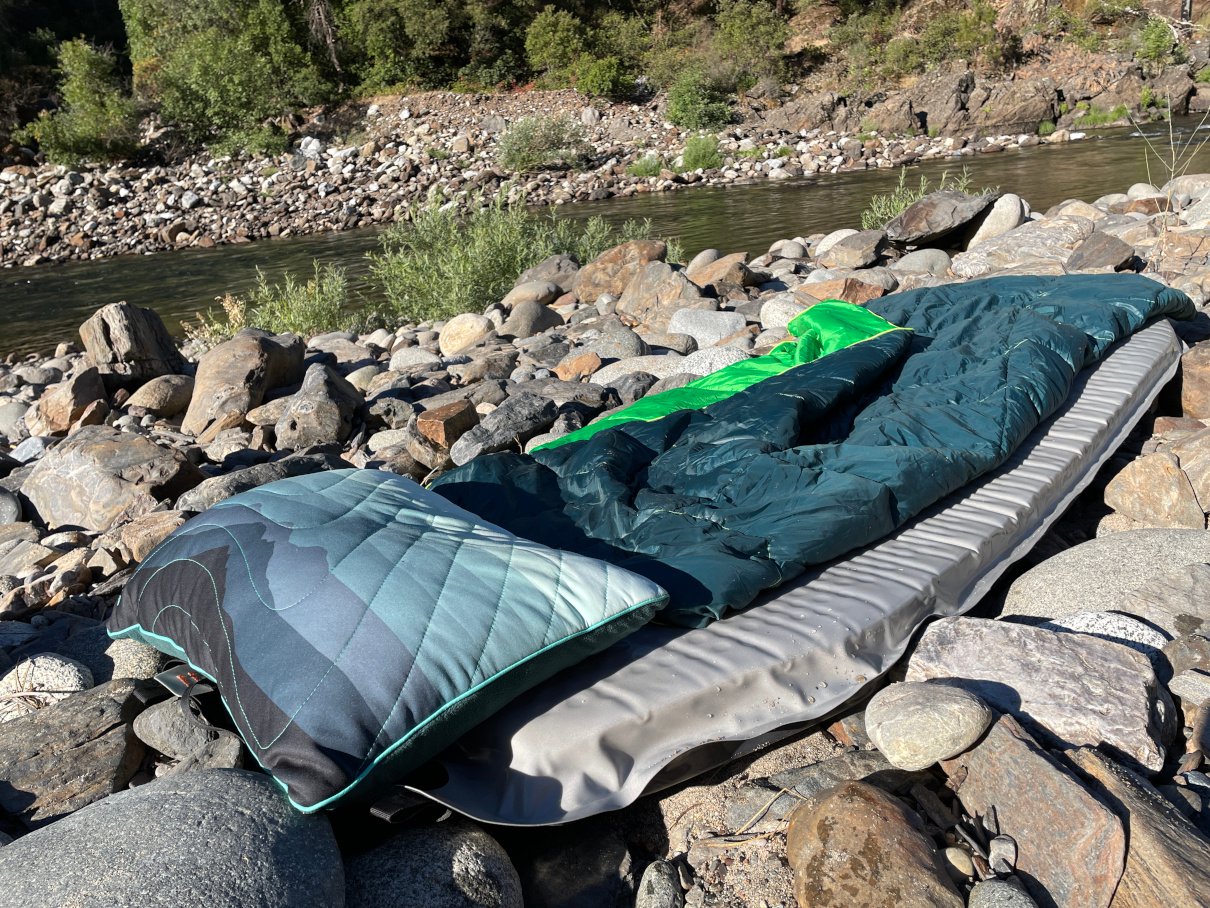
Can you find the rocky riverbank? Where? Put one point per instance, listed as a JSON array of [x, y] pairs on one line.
[[1063, 767], [369, 162]]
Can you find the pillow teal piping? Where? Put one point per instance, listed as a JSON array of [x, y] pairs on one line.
[[137, 630]]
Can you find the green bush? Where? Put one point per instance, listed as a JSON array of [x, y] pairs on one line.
[[553, 41], [749, 36], [693, 103], [306, 309], [649, 165], [626, 37], [97, 121], [1092, 117], [1155, 46], [1046, 128], [538, 143], [442, 264], [605, 77], [701, 153]]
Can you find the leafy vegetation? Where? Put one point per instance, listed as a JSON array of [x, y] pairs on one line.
[[649, 165], [701, 153], [539, 143], [97, 120], [1091, 117], [442, 264], [307, 308], [1155, 46], [694, 102]]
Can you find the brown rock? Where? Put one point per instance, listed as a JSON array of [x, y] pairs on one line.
[[142, 535], [612, 270], [1195, 382], [129, 345], [935, 216], [1032, 246], [445, 425], [1168, 860], [1187, 252], [854, 251], [62, 404], [1070, 848], [728, 271], [234, 376], [100, 477], [69, 754], [1100, 251], [1154, 490], [577, 366], [166, 396], [858, 847], [1150, 205], [655, 293], [850, 289]]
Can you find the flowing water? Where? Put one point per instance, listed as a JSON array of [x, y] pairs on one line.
[[46, 304]]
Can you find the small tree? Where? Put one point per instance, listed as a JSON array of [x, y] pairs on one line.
[[750, 34], [553, 41], [96, 121], [696, 104]]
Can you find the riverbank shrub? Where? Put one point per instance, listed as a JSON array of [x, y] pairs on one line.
[[701, 153], [605, 77], [1155, 46], [1091, 117], [543, 143], [695, 103], [97, 120], [553, 41], [305, 308], [649, 165], [443, 263]]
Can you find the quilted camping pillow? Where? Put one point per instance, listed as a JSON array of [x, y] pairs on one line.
[[356, 624]]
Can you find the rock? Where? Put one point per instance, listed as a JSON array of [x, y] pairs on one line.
[[856, 845], [917, 724], [1007, 213], [164, 727], [779, 310], [100, 476], [586, 863], [612, 271], [577, 366], [704, 362], [1195, 382], [541, 292], [514, 422], [320, 413], [958, 864], [923, 261], [223, 751], [849, 289], [463, 332], [705, 326], [995, 893], [659, 366], [1167, 861], [660, 887], [616, 341], [935, 216], [1101, 251], [633, 386], [443, 426], [672, 382], [143, 534], [657, 291], [12, 417], [107, 659], [1116, 628], [763, 803], [410, 359], [129, 345], [1071, 848], [1034, 243], [827, 242], [448, 865], [250, 848], [166, 396], [857, 250], [1146, 572], [1154, 490], [528, 318], [65, 756], [39, 681], [10, 507], [1191, 651], [234, 376], [558, 269], [1192, 686], [725, 271], [1072, 687], [219, 488], [62, 404], [702, 259]]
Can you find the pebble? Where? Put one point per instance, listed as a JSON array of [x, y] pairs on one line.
[[916, 724], [999, 894]]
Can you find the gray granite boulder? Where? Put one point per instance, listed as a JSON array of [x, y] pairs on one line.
[[216, 838], [1034, 243]]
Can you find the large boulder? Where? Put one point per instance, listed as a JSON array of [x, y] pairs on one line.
[[1048, 241], [218, 488], [321, 412], [1019, 105], [61, 405], [1195, 381], [655, 293], [129, 345], [612, 270], [936, 216], [166, 396], [100, 477], [219, 838], [67, 755], [234, 376]]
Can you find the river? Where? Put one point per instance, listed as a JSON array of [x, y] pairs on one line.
[[46, 304]]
